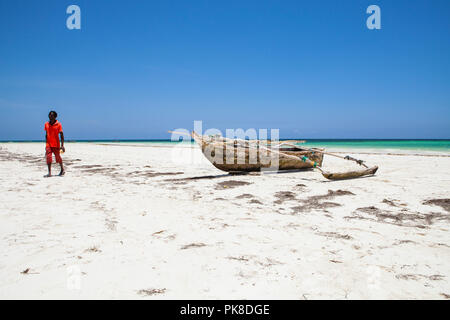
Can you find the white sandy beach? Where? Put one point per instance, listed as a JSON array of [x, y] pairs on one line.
[[141, 221]]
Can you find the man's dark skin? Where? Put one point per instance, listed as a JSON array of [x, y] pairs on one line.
[[52, 120]]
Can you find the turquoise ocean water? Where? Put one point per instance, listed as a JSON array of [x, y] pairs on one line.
[[432, 145], [435, 145]]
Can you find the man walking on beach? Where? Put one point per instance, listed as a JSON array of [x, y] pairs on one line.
[[53, 129]]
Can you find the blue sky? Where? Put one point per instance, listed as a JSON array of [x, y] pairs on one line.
[[310, 68]]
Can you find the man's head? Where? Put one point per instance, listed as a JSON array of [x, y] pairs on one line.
[[52, 115]]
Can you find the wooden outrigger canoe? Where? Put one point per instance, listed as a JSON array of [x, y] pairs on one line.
[[236, 155]]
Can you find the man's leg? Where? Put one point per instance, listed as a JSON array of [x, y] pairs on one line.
[[62, 169], [59, 160], [48, 155]]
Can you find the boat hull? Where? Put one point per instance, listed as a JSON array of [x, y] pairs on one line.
[[232, 158]]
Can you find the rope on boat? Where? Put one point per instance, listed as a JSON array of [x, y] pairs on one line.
[[360, 162]]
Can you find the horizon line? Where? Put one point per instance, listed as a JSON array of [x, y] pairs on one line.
[[169, 140]]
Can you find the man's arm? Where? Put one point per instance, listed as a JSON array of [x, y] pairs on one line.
[[62, 141], [45, 129]]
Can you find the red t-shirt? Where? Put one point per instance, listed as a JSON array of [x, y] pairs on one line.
[[53, 134]]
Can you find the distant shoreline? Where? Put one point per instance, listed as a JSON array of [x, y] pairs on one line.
[[284, 139], [441, 145]]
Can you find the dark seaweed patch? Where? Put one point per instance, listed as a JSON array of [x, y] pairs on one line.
[[193, 245], [318, 202], [443, 203], [283, 196], [400, 218], [230, 184], [151, 292], [245, 196], [334, 235]]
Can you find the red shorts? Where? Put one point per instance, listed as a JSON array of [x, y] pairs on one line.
[[48, 154]]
